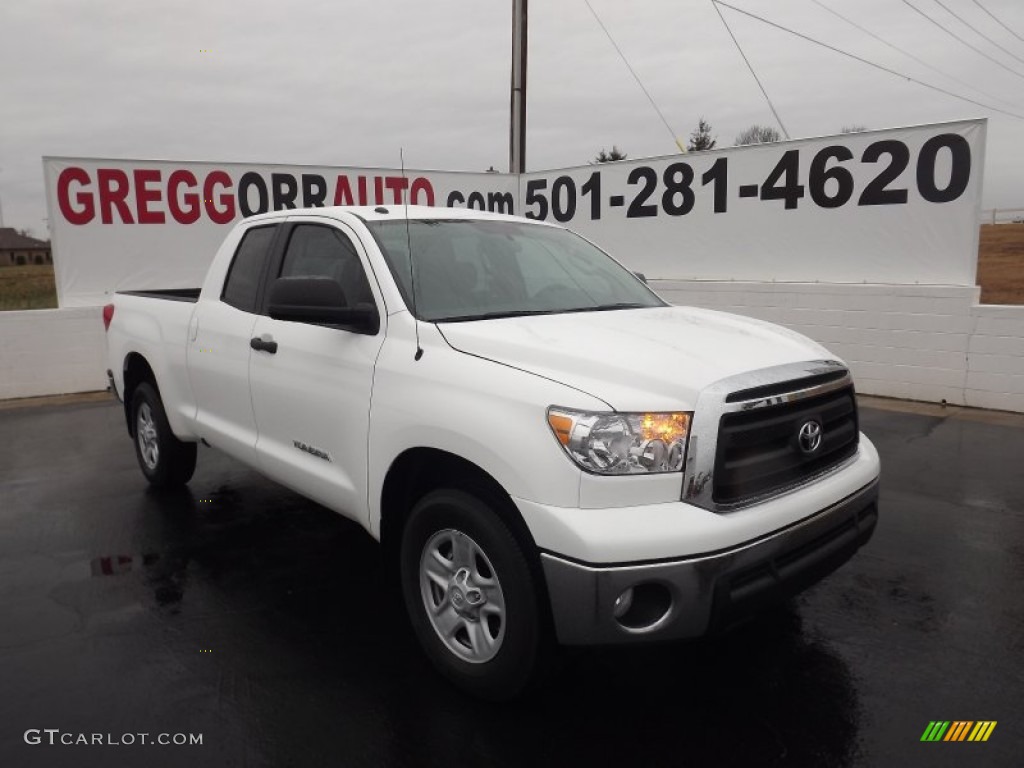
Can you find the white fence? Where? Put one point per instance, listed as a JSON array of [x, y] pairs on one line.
[[932, 343]]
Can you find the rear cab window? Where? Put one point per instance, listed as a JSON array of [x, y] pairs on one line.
[[241, 287]]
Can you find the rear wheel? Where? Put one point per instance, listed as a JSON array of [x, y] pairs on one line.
[[166, 461], [471, 595]]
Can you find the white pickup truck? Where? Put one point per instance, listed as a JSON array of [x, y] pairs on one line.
[[546, 449]]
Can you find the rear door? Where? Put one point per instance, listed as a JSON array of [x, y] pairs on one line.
[[219, 348], [311, 396]]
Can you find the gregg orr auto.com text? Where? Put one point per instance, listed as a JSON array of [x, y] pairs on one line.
[[154, 196]]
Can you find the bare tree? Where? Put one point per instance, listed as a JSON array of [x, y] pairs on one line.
[[605, 156], [701, 137], [758, 134]]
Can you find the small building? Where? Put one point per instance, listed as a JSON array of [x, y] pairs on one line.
[[18, 250]]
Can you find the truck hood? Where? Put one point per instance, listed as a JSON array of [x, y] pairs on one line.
[[635, 359]]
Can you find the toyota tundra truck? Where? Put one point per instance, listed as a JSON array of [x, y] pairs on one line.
[[547, 451]]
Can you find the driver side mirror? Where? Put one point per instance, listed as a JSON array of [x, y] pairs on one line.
[[642, 277], [319, 301]]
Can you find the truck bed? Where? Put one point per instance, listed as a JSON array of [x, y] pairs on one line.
[[190, 295]]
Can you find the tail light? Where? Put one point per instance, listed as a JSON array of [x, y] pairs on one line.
[[108, 315]]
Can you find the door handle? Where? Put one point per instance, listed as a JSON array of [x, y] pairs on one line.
[[261, 345]]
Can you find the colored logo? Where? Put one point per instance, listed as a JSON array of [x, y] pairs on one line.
[[958, 730]]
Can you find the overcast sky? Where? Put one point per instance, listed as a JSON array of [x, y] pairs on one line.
[[335, 82]]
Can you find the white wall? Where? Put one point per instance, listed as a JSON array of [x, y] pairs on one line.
[[995, 374], [916, 342], [51, 352], [929, 343]]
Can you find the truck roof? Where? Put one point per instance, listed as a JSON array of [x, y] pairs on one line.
[[385, 212]]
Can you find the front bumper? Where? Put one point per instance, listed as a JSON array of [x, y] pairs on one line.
[[703, 593]]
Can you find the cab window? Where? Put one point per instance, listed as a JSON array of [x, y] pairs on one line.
[[318, 251], [243, 281]]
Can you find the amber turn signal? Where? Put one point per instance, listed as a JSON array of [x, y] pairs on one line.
[[562, 427]]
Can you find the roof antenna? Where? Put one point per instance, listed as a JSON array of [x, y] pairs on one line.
[[408, 242]]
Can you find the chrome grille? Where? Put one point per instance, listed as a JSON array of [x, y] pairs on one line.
[[759, 451], [749, 413]]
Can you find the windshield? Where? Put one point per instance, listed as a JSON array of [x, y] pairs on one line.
[[474, 270]]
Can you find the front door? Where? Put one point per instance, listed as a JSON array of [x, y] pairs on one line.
[[311, 394]]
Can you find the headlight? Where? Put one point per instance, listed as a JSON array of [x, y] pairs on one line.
[[622, 443]]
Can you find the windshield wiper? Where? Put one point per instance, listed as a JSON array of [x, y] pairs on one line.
[[528, 312], [606, 307], [496, 315]]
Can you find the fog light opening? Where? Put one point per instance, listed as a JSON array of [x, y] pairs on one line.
[[643, 606]]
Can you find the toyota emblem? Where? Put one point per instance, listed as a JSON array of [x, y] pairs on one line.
[[809, 436]]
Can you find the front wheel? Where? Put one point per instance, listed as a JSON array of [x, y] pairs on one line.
[[472, 597], [166, 461]]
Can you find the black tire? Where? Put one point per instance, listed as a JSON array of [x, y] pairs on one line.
[[174, 461], [523, 650]]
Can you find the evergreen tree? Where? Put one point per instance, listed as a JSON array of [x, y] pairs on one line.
[[701, 137]]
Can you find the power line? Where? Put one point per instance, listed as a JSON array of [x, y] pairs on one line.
[[751, 68], [957, 37], [906, 53], [632, 71], [997, 20], [978, 32], [855, 57]]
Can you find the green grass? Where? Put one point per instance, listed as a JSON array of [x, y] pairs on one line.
[[28, 287]]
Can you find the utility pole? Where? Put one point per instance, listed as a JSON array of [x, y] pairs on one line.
[[517, 132]]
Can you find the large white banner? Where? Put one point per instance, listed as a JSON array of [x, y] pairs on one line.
[[893, 206], [143, 224]]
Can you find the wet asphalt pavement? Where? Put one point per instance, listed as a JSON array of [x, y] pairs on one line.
[[239, 611]]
